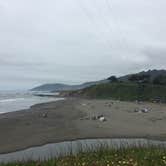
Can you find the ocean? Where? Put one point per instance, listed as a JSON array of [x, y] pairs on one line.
[[18, 100]]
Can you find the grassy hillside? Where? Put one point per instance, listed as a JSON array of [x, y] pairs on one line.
[[124, 91], [106, 157]]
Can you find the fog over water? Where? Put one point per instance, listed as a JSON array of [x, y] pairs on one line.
[[73, 41]]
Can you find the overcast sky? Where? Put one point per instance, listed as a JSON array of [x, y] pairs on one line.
[[73, 41]]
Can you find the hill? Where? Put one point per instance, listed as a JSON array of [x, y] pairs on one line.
[[65, 87], [122, 91], [145, 86], [150, 74]]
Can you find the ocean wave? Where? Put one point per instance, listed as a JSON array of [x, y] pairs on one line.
[[11, 100]]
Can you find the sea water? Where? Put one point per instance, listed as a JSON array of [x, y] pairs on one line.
[[18, 100]]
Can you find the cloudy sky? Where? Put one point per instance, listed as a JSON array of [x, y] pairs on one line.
[[72, 41]]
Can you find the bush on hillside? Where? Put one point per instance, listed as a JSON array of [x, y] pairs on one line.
[[160, 80], [145, 78], [113, 79]]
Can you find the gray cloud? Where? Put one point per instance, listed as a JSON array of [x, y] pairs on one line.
[[73, 41]]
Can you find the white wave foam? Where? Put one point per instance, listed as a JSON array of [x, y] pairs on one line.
[[11, 100]]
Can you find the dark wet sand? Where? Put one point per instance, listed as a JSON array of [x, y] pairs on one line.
[[70, 120]]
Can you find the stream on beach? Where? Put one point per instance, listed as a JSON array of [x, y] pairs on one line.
[[53, 150]]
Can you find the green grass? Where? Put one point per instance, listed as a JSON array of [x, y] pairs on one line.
[[106, 157], [124, 91]]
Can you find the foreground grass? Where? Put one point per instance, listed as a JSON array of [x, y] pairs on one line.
[[105, 157]]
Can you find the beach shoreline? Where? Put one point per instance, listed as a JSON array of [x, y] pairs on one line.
[[71, 119]]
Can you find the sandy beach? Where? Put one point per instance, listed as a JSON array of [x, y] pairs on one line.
[[74, 119]]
